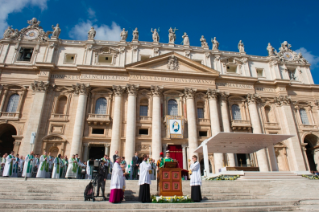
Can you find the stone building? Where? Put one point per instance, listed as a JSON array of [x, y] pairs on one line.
[[94, 97]]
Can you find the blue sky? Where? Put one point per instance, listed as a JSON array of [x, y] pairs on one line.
[[255, 22]]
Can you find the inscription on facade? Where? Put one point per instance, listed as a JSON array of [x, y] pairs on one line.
[[234, 85], [171, 79], [262, 89], [88, 76]]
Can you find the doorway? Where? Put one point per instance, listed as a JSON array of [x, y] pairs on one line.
[[6, 139], [312, 156], [96, 152], [242, 160], [176, 153]]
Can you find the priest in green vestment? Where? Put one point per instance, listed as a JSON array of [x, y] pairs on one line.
[[166, 159]]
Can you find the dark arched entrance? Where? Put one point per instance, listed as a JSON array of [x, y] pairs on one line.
[[6, 139], [312, 144]]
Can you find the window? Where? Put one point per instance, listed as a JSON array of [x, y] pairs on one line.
[[231, 69], [69, 58], [61, 105], [105, 58], [97, 131], [260, 72], [100, 106], [144, 107], [292, 74], [267, 112], [25, 54], [13, 103], [172, 107], [202, 133], [200, 110], [143, 132], [304, 117], [236, 112]]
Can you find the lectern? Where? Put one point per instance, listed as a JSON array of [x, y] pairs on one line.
[[170, 180]]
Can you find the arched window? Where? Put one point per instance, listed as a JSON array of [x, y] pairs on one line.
[[236, 112], [200, 110], [144, 107], [61, 106], [172, 107], [13, 103], [303, 116], [100, 106], [267, 112]]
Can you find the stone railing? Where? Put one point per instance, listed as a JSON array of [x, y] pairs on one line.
[[202, 121], [8, 115], [59, 117], [145, 119], [308, 127], [271, 125], [98, 119], [241, 124]]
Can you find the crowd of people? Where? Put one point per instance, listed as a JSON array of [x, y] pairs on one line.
[[47, 166]]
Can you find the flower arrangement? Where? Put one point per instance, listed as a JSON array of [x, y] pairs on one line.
[[174, 199], [312, 177], [222, 177]]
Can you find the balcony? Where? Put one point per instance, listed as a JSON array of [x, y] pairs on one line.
[[202, 121], [269, 125], [59, 117], [10, 116], [307, 127], [241, 125], [98, 119], [145, 119]]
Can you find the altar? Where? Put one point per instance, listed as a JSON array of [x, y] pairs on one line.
[[170, 180]]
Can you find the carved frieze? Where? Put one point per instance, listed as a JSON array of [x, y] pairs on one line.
[[81, 88], [132, 89], [172, 63], [283, 100], [39, 86], [156, 90], [252, 98], [212, 93], [190, 92], [118, 90]]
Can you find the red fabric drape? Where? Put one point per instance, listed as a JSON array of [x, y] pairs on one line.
[[176, 152]]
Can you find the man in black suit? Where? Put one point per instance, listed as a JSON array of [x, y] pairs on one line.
[[135, 164], [114, 156]]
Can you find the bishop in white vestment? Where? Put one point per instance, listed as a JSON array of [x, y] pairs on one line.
[[145, 181], [56, 168], [43, 168], [117, 185], [196, 180], [8, 167], [28, 165]]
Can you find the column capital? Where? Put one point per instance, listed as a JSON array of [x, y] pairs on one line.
[[189, 92], [184, 145], [156, 90], [86, 144], [224, 96], [81, 88], [252, 98], [40, 86], [132, 89], [282, 100], [118, 90], [212, 93], [107, 145]]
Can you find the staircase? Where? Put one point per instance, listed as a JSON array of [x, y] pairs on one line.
[[271, 176]]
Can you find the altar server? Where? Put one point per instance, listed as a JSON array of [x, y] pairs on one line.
[[21, 163], [196, 180], [8, 167], [28, 165], [56, 168], [145, 181], [15, 169], [117, 183], [72, 168], [50, 163], [43, 168], [65, 167]]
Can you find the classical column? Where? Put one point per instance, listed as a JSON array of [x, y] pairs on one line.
[[33, 123], [184, 157], [255, 122], [106, 151], [82, 91], [226, 125], [86, 151], [4, 97], [117, 119], [131, 122], [156, 122], [248, 160], [296, 159], [191, 120], [214, 125]]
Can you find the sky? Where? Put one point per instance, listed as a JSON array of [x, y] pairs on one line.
[[255, 22]]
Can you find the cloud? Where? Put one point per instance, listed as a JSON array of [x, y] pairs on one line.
[[312, 59], [91, 13], [12, 6], [103, 32]]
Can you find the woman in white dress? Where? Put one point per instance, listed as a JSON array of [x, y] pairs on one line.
[[196, 180], [56, 168]]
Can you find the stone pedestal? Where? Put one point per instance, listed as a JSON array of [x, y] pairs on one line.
[[156, 122]]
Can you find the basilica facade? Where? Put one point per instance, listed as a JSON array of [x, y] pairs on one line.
[[94, 97]]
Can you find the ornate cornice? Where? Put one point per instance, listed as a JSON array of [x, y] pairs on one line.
[[283, 100], [81, 88], [118, 90], [132, 89], [40, 86], [212, 93], [189, 92], [156, 90]]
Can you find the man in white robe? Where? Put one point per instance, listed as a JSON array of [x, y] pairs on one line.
[[21, 163], [117, 182], [10, 159], [145, 181], [3, 162], [28, 165], [65, 167], [72, 168], [43, 168], [196, 180], [50, 163], [56, 168]]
